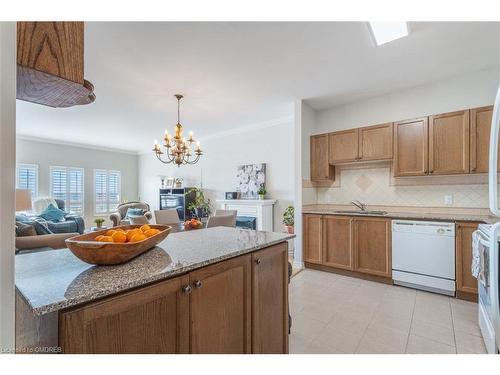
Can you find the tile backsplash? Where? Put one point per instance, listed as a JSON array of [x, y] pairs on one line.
[[375, 186]]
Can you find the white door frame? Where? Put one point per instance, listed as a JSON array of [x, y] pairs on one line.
[[7, 182]]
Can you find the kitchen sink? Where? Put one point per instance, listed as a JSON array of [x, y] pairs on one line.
[[358, 212]]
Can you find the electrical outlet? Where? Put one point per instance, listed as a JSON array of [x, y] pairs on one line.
[[448, 199]]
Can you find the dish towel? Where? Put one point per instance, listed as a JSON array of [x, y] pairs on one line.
[[478, 261]]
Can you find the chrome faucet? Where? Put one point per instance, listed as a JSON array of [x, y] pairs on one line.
[[358, 204]]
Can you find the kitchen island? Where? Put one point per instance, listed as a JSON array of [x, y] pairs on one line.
[[217, 290]]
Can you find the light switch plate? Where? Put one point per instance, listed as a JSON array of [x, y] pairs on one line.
[[448, 199]]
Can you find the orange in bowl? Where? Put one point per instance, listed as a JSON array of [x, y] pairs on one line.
[[119, 237], [105, 239], [131, 233], [151, 232], [145, 228], [138, 237], [110, 232]]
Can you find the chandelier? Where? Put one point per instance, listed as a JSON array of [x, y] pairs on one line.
[[177, 148]]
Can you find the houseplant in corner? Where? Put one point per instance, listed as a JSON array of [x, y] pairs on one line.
[[262, 191], [201, 206], [289, 219]]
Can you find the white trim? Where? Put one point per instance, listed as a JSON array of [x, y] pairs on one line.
[[74, 144], [67, 201]]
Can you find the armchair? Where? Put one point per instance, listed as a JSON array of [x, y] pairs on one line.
[[120, 217]]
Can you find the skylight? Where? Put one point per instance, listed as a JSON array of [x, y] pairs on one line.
[[385, 32]]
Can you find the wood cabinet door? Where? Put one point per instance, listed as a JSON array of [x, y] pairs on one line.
[[465, 281], [337, 242], [270, 300], [320, 168], [312, 238], [220, 308], [153, 319], [343, 146], [411, 147], [480, 126], [372, 246], [449, 143], [375, 142]]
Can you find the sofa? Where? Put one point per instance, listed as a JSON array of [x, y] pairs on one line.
[[120, 217], [42, 242], [71, 224]]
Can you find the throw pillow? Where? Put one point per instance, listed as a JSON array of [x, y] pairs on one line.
[[52, 213], [23, 229], [134, 212]]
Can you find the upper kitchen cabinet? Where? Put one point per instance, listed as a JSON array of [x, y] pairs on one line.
[[480, 124], [50, 64], [375, 142], [343, 146], [321, 170], [411, 147], [449, 143]]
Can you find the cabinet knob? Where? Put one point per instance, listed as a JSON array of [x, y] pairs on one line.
[[257, 261], [197, 284], [186, 289]]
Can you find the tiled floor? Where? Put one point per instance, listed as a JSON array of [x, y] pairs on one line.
[[338, 314]]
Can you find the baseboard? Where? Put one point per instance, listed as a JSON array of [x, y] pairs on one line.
[[298, 264], [472, 297], [359, 275]]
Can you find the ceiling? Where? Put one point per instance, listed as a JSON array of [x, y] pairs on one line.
[[238, 74]]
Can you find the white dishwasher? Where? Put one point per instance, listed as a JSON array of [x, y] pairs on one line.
[[423, 255]]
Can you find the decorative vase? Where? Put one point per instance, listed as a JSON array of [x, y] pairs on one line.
[[261, 196], [289, 229]]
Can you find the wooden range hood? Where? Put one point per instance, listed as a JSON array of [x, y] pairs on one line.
[[50, 64]]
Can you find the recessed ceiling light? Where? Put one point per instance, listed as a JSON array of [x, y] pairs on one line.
[[384, 32]]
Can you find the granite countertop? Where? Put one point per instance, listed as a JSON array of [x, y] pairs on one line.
[[53, 280], [407, 215]]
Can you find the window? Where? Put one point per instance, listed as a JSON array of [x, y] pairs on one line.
[[107, 185], [66, 183], [27, 178]]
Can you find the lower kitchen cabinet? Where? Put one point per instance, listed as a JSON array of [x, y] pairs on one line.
[[358, 244], [152, 319], [239, 305], [313, 241], [466, 284], [372, 244], [338, 242], [220, 308], [270, 300]]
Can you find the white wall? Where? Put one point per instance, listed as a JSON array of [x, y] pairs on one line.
[[273, 145], [47, 154], [467, 91], [7, 185]]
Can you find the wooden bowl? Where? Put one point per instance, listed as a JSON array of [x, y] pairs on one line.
[[85, 248]]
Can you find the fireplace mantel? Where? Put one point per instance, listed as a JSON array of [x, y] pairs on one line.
[[261, 209]]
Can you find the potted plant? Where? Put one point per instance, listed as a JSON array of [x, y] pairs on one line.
[[99, 222], [201, 206], [289, 219], [262, 191]]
